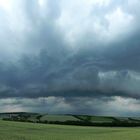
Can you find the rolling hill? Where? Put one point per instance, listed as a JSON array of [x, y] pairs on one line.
[[71, 119]]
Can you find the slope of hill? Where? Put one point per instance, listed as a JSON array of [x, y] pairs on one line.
[[61, 118], [71, 119]]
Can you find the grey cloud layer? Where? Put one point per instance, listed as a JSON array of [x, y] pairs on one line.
[[116, 106], [48, 49]]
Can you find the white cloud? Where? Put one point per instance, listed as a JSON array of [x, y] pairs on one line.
[[95, 2], [47, 104], [125, 105], [5, 4], [91, 20], [10, 105], [119, 24]]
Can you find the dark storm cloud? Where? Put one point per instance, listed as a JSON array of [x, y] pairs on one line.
[[48, 49]]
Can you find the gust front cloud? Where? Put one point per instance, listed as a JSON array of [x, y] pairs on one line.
[[68, 50]]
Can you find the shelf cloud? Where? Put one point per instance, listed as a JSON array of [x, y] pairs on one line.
[[70, 56]]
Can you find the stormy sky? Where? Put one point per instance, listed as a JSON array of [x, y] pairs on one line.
[[70, 56]]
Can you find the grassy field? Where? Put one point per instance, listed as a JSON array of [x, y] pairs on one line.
[[32, 131], [61, 118], [95, 118]]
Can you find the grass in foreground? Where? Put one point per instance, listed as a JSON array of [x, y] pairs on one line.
[[30, 131]]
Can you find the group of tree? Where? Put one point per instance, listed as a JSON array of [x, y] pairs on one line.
[[115, 123]]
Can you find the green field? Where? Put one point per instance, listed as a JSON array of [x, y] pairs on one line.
[[69, 119], [61, 118], [34, 131], [95, 118]]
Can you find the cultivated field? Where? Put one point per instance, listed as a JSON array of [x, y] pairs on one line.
[[61, 118], [34, 131]]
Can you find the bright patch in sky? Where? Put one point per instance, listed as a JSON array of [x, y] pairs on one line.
[[5, 4], [120, 23], [97, 2]]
